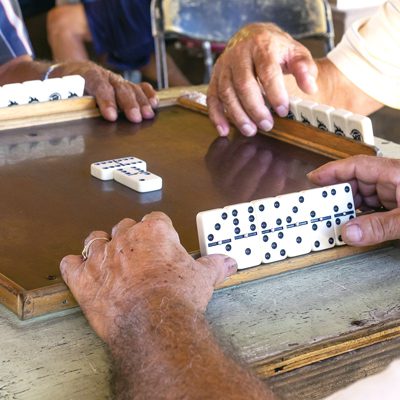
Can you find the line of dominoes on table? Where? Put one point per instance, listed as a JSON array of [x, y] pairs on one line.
[[129, 171], [338, 121], [28, 92], [272, 229]]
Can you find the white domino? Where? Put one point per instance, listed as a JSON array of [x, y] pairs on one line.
[[213, 232], [322, 117], [104, 170], [339, 122], [342, 208], [242, 228], [293, 112], [305, 111], [271, 229], [15, 94], [360, 128], [137, 179], [326, 118], [73, 86], [40, 91]]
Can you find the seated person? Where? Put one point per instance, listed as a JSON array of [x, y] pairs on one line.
[[145, 296], [120, 32], [361, 74], [110, 90]]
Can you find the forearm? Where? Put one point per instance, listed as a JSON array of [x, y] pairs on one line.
[[22, 69], [168, 352], [335, 89]]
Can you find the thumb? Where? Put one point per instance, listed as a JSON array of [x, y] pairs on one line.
[[69, 266], [372, 228], [220, 267]]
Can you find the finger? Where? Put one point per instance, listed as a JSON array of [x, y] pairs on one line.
[[96, 234], [249, 93], [144, 103], [158, 216], [122, 227], [227, 95], [150, 93], [69, 266], [269, 72], [160, 226], [219, 266], [215, 107], [95, 243], [368, 169], [126, 99], [105, 99], [372, 228], [303, 67]]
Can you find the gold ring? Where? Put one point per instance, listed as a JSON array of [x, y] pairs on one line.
[[85, 251]]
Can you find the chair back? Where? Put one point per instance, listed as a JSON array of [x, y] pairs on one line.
[[218, 20]]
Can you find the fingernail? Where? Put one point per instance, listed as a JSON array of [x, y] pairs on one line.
[[136, 115], [266, 125], [154, 102], [111, 113], [248, 130], [282, 111], [222, 131], [353, 233], [313, 83], [147, 112]]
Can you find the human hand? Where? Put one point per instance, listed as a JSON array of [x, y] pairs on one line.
[[112, 92], [375, 183], [258, 55], [141, 261]]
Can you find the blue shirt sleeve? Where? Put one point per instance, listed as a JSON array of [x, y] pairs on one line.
[[14, 39]]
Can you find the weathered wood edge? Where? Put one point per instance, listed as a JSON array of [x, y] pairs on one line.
[[28, 304], [324, 349], [303, 136]]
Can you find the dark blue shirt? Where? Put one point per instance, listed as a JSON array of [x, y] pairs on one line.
[[121, 29]]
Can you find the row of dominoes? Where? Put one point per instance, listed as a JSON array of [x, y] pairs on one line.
[[39, 91], [338, 121], [324, 117], [272, 229], [129, 171]]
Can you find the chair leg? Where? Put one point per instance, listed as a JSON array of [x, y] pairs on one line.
[[208, 61], [161, 62], [157, 27]]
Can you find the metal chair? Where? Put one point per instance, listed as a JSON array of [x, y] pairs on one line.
[[217, 20]]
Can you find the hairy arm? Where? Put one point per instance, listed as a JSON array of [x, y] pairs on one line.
[[145, 297], [165, 350]]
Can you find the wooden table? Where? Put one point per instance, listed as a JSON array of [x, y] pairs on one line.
[[276, 324]]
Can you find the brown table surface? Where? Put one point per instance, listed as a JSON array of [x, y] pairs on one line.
[[50, 202]]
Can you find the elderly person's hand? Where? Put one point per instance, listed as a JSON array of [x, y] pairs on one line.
[[254, 63], [112, 92], [376, 183], [140, 261]]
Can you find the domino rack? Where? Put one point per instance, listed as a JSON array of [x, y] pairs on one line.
[[28, 304]]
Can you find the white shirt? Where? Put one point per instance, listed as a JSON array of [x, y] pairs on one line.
[[369, 55], [383, 386]]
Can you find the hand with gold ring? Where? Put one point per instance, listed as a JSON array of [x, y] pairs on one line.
[[140, 262]]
